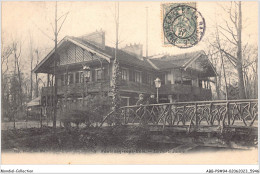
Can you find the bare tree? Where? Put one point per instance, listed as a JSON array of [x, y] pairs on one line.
[[17, 66], [31, 61], [13, 82], [217, 46], [5, 79], [250, 71], [217, 58], [232, 33], [6, 53], [36, 75]]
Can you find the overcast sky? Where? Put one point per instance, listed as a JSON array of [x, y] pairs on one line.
[[22, 19]]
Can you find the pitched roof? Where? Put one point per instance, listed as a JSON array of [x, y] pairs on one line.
[[122, 56], [172, 61], [183, 61], [107, 53], [161, 65]]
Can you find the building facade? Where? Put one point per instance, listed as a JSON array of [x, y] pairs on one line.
[[184, 77]]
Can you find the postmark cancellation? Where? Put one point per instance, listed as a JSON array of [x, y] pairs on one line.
[[183, 25]]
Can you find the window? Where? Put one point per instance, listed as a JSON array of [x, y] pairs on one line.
[[62, 79], [65, 79], [124, 74], [77, 77], [81, 77], [149, 79], [187, 82], [70, 79], [200, 83], [138, 77], [98, 74]]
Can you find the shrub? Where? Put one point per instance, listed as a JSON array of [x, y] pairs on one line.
[[99, 106], [92, 113], [77, 117]]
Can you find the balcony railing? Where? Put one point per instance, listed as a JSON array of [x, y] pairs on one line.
[[135, 86], [185, 89], [78, 88]]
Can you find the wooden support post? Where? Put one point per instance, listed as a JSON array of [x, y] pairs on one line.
[[196, 115], [48, 80], [183, 118], [14, 119], [181, 77], [125, 116], [41, 118], [228, 114], [171, 114], [47, 114], [210, 113], [26, 117]]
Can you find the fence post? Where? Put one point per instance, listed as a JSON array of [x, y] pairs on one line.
[[14, 119], [26, 117], [210, 114], [196, 115], [228, 115], [41, 118], [125, 116]]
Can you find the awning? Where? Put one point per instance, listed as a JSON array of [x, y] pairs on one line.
[[34, 102]]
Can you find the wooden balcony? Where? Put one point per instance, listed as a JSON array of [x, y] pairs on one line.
[[77, 88], [186, 90], [131, 86]]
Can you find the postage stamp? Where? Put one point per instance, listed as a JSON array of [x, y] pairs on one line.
[[183, 26]]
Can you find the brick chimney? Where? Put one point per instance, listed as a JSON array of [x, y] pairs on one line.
[[135, 50], [96, 38]]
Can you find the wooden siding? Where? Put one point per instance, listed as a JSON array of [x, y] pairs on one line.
[[73, 54]]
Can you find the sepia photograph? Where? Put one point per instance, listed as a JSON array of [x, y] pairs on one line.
[[129, 82]]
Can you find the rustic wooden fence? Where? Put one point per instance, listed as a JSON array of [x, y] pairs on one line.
[[207, 113]]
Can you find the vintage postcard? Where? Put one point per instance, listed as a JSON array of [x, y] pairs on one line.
[[129, 82]]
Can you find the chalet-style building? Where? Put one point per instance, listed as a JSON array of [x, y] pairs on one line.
[[184, 77]]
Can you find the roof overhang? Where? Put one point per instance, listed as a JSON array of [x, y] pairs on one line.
[[152, 64], [188, 63], [83, 46]]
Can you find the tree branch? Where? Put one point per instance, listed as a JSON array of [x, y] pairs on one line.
[[233, 59], [63, 22], [43, 32], [232, 17], [228, 38]]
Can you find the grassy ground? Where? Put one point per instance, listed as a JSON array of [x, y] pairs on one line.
[[76, 140], [117, 139]]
